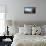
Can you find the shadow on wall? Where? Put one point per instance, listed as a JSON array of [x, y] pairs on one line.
[[21, 23]]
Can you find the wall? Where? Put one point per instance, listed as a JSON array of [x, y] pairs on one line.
[[15, 9]]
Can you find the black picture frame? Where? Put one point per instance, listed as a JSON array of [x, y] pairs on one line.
[[29, 10]]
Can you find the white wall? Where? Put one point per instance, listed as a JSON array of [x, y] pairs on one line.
[[15, 9]]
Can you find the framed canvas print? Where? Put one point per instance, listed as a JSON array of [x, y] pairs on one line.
[[29, 10]]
